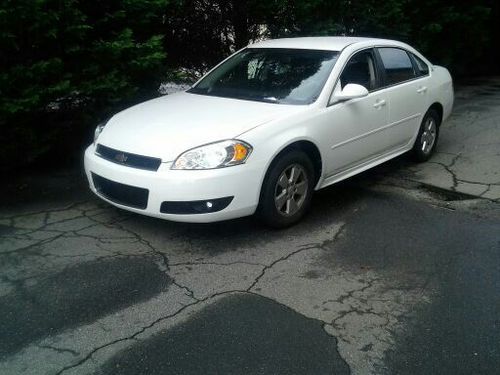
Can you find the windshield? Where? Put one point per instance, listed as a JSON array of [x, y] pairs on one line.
[[288, 76]]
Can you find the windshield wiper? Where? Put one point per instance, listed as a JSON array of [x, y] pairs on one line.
[[197, 90], [270, 99], [234, 95]]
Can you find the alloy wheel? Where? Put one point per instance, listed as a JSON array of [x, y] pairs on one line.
[[291, 190], [428, 135]]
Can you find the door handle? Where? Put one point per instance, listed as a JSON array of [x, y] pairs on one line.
[[422, 89], [379, 103]]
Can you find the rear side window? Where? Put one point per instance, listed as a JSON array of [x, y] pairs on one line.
[[422, 68], [397, 65]]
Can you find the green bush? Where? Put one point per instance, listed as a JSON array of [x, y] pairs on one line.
[[66, 63]]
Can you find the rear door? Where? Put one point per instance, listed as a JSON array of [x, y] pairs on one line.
[[406, 91]]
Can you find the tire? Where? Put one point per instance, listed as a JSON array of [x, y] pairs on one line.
[[427, 137], [287, 190]]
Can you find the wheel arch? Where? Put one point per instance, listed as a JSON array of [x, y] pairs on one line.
[[309, 148], [438, 107]]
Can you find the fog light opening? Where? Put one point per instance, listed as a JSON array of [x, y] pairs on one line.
[[195, 207]]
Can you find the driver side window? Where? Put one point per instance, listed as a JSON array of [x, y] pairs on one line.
[[360, 70]]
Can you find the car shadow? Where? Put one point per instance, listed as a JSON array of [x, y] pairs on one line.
[[330, 201], [330, 206]]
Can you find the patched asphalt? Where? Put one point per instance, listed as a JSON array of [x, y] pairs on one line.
[[75, 296], [459, 332], [241, 334], [417, 244]]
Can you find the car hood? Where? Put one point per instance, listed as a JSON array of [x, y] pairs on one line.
[[167, 126]]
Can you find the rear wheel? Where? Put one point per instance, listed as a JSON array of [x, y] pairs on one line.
[[427, 137], [287, 190]]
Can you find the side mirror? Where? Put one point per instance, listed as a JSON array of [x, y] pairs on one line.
[[351, 91]]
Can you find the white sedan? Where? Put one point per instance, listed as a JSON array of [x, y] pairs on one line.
[[268, 126]]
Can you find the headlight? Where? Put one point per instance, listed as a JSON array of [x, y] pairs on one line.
[[98, 131], [214, 155]]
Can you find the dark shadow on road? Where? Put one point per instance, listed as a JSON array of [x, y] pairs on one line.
[[329, 206]]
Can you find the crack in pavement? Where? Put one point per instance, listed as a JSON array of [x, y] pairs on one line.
[[448, 167], [189, 292], [141, 330], [458, 181], [303, 248], [358, 306], [48, 210], [350, 294], [133, 337], [165, 267], [45, 224], [178, 264], [60, 350]]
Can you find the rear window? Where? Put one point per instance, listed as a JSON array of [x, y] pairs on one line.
[[397, 65]]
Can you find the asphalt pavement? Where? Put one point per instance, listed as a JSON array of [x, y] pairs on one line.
[[390, 273], [468, 156]]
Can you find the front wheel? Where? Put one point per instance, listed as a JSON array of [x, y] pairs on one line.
[[427, 137], [287, 190]]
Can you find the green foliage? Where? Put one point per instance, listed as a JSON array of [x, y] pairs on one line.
[[454, 33], [65, 64], [450, 32], [66, 61]]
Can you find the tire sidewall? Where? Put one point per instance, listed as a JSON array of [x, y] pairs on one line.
[[267, 210]]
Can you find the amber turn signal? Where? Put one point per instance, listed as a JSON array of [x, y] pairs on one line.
[[240, 152]]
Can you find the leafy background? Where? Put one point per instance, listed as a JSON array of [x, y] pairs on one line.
[[65, 65]]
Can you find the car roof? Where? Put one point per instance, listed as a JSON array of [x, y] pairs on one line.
[[328, 43]]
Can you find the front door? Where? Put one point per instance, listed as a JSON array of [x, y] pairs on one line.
[[355, 124]]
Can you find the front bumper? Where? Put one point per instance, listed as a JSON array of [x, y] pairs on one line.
[[241, 182]]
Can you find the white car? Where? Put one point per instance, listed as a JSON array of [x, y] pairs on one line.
[[268, 126]]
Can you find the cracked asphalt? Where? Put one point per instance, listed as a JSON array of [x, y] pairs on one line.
[[386, 275], [469, 146]]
